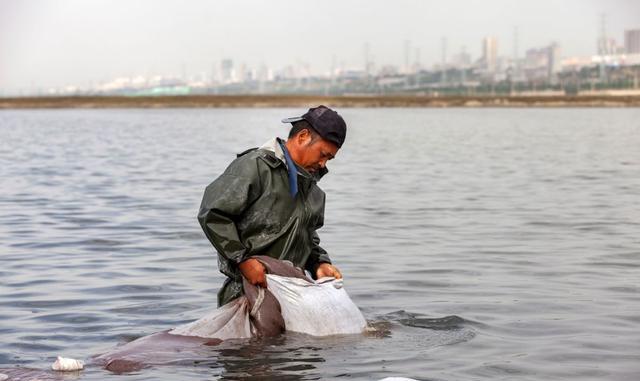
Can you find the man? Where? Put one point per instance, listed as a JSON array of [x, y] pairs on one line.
[[267, 202]]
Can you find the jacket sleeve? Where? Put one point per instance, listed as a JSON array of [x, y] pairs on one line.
[[224, 201], [318, 255]]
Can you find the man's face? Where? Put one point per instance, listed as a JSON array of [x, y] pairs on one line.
[[311, 151]]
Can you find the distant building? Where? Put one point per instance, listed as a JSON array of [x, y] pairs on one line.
[[490, 54], [388, 70], [632, 41], [244, 74], [554, 61], [542, 64], [461, 60], [227, 72], [353, 73], [264, 73], [609, 47]]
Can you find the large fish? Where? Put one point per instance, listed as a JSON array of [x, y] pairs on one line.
[[291, 302]]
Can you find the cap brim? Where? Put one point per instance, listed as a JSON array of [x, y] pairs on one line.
[[292, 119]]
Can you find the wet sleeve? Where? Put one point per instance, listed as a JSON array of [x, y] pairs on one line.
[[224, 202], [318, 255]]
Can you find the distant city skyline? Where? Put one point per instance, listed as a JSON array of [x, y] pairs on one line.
[[58, 43]]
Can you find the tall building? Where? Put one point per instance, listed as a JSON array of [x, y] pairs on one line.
[[553, 61], [227, 72], [632, 41], [609, 47], [490, 53], [407, 47], [542, 63]]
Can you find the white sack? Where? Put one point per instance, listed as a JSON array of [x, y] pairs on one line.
[[319, 309]]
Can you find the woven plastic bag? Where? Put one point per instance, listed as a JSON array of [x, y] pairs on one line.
[[318, 308]]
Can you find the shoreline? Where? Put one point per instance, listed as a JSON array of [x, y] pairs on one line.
[[272, 101]]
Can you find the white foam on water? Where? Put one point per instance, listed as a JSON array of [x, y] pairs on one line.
[[63, 364]]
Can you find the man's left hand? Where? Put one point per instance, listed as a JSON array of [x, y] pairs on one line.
[[327, 270]]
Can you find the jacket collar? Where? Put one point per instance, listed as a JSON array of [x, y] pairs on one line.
[[273, 146]]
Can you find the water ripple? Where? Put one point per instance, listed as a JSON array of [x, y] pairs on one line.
[[481, 244]]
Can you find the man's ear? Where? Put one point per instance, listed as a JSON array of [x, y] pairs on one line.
[[303, 136]]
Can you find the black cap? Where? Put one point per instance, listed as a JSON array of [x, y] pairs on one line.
[[326, 122]]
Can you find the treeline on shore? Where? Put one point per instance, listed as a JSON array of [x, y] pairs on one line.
[[222, 101]]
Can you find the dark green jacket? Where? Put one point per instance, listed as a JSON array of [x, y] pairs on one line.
[[248, 210]]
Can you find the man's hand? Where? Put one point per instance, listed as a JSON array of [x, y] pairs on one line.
[[327, 270], [254, 271]]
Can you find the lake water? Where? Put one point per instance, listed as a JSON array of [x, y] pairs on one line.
[[487, 243]]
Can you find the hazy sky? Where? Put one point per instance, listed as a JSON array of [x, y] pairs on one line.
[[47, 43]]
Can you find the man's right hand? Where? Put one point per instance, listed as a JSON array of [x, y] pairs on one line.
[[254, 271]]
